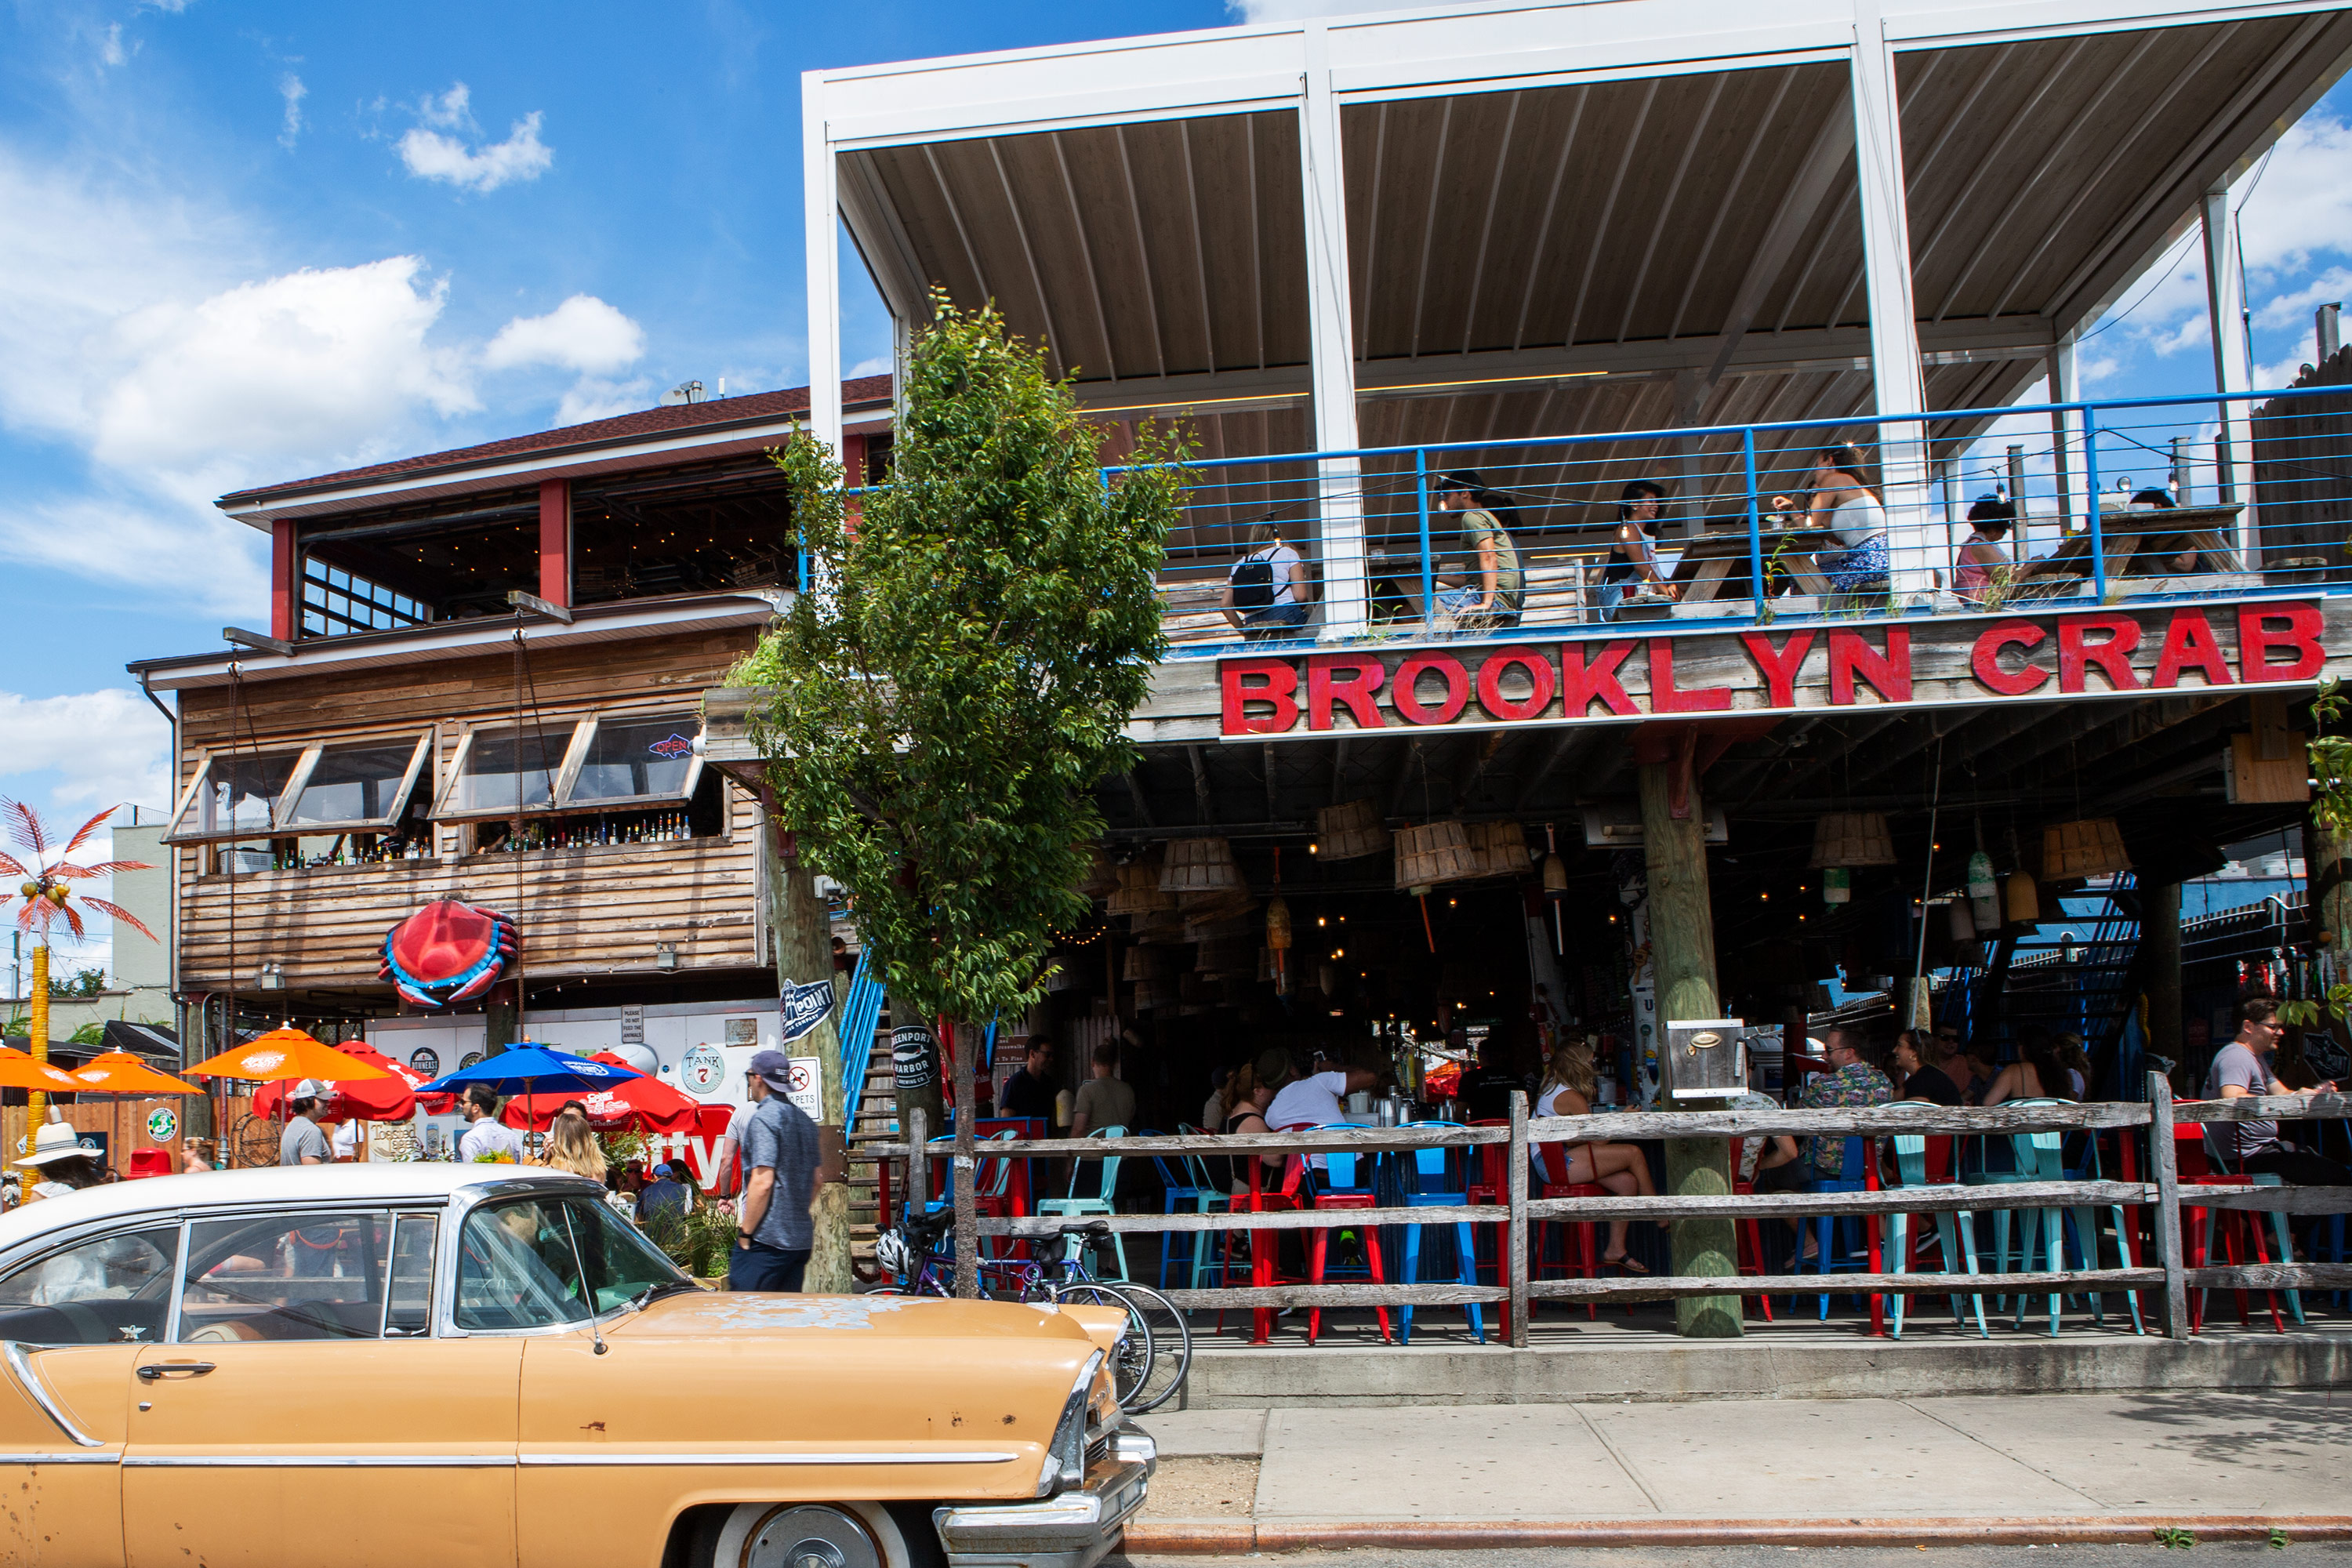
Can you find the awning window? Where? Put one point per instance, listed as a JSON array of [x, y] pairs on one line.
[[233, 795], [633, 761], [500, 772], [354, 788]]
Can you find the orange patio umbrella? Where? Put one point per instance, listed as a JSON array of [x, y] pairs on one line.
[[286, 1053], [119, 1072], [19, 1069]]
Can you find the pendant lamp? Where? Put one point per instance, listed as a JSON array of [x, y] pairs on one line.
[[1852, 839], [1201, 866], [2091, 848], [1349, 831]]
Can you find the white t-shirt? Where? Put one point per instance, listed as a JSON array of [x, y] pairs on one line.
[[489, 1136], [1284, 559], [1308, 1101], [346, 1140]]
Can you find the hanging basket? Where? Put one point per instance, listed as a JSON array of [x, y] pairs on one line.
[[1349, 831], [1154, 994], [2091, 848], [1138, 890], [1201, 866], [1101, 879], [1432, 853], [1222, 922], [1163, 928], [1144, 963], [1233, 955], [1852, 839], [1499, 848]]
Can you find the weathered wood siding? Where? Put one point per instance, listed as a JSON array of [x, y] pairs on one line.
[[582, 912]]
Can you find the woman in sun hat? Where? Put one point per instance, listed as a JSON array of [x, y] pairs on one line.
[[65, 1166]]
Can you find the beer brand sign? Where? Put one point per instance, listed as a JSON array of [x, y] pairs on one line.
[[1924, 661]]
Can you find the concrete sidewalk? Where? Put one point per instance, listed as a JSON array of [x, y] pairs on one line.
[[1984, 1469]]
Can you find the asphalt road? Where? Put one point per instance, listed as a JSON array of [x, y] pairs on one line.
[[2239, 1554]]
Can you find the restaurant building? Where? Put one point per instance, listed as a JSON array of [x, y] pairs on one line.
[[1575, 247], [482, 681]]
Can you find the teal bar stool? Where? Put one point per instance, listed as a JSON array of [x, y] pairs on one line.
[[1955, 1230], [1074, 1203], [2037, 1157]]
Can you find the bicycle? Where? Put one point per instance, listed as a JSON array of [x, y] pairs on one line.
[[1154, 1357]]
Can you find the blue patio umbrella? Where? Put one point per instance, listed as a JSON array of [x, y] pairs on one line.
[[532, 1070]]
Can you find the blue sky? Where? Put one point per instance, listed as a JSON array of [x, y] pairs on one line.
[[247, 242]]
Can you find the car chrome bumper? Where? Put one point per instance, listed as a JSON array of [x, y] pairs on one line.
[[1075, 1529]]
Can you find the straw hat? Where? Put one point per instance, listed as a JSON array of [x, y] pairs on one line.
[[55, 1141]]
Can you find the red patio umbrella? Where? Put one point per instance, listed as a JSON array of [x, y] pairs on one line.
[[644, 1104], [391, 1097]]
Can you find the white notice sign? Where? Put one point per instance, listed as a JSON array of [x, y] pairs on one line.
[[807, 1091]]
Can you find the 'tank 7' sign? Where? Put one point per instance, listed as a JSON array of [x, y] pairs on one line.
[[1923, 662]]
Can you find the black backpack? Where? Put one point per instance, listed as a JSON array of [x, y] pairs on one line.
[[1253, 582]]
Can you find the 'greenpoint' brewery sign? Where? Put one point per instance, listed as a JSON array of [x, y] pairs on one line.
[[1926, 661]]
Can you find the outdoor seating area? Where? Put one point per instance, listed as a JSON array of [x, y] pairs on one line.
[[2036, 1216]]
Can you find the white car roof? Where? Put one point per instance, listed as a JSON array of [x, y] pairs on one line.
[[370, 1181]]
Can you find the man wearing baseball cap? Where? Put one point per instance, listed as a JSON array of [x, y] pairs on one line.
[[302, 1143], [780, 1160]]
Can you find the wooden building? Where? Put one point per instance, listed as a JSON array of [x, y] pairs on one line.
[[404, 732]]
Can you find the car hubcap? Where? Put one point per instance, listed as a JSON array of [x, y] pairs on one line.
[[811, 1537]]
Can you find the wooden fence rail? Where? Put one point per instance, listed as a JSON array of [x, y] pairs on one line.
[[2162, 1191]]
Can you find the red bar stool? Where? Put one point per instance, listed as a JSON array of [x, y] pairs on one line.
[[1341, 1190], [1581, 1244]]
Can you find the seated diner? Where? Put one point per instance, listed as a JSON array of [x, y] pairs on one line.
[[1568, 1087]]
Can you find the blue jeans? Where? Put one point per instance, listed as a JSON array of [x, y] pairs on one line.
[[758, 1266], [1272, 622]]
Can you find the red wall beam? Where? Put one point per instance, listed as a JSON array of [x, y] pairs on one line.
[[285, 585], [555, 542]]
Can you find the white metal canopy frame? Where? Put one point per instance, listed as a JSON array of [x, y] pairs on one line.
[[1502, 221]]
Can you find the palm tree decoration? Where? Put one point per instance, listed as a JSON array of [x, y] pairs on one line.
[[49, 897]]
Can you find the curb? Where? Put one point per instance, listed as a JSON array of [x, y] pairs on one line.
[[1179, 1539]]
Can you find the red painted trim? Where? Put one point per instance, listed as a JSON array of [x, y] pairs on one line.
[[285, 580], [555, 540]]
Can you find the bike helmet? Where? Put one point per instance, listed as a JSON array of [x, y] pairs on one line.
[[892, 1255]]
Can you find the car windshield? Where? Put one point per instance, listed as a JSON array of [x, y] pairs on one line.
[[519, 1264]]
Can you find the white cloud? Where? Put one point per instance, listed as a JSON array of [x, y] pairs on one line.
[[174, 547], [431, 156], [880, 364], [452, 111], [306, 362], [291, 89], [583, 333], [117, 756], [109, 48], [593, 398], [2303, 203], [2294, 308]]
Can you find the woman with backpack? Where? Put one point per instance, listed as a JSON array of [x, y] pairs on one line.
[[1268, 594]]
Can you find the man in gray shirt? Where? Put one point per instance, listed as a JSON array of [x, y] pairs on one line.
[[302, 1143], [2243, 1067], [780, 1160]]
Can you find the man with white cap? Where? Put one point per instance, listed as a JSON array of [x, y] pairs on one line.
[[302, 1143]]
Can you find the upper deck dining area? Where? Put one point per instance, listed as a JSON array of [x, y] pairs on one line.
[[1577, 248]]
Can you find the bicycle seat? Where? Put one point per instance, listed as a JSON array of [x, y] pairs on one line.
[[1092, 1227]]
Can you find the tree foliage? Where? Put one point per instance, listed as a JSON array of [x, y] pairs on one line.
[[959, 674]]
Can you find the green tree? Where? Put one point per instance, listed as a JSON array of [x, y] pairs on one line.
[[960, 672]]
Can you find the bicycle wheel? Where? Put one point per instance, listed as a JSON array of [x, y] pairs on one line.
[[1130, 1365], [1171, 1347]]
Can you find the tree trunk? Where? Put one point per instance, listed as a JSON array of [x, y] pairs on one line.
[[959, 1171], [1682, 954], [803, 956]]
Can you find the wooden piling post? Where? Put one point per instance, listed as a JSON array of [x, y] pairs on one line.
[[1518, 1240], [1682, 950], [918, 1164], [2168, 1205]]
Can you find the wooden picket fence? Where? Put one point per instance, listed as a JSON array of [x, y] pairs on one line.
[[2167, 1273]]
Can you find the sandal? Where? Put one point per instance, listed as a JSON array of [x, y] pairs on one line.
[[1629, 1265]]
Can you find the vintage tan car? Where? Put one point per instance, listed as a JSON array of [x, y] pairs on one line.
[[398, 1365]]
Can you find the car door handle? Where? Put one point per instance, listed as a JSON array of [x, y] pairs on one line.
[[166, 1369]]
